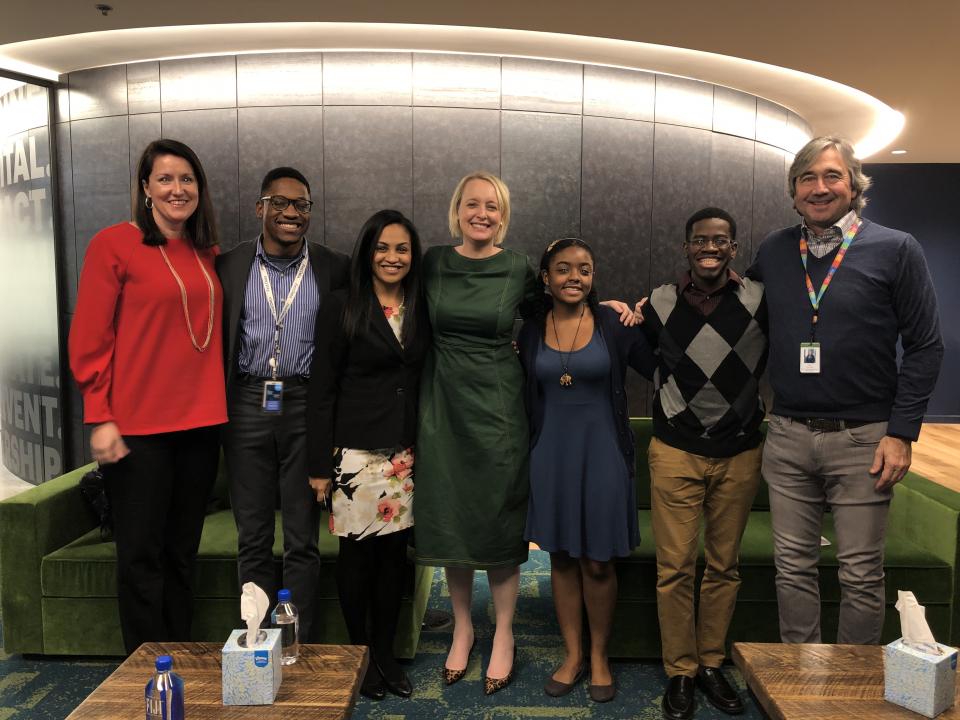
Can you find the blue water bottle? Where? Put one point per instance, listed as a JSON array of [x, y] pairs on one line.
[[164, 692]]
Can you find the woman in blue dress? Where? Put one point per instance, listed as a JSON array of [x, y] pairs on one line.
[[582, 507]]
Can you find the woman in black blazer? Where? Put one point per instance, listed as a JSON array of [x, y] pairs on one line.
[[361, 423]]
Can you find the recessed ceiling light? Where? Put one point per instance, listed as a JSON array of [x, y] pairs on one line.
[[898, 152]]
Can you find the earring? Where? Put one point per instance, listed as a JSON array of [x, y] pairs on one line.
[[148, 201]]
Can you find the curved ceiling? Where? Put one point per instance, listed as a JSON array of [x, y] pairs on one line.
[[890, 55]]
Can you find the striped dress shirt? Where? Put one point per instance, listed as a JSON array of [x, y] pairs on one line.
[[257, 323]]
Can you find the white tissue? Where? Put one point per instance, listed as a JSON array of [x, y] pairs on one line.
[[253, 606], [913, 623]]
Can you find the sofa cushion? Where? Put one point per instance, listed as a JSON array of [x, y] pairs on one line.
[[87, 567], [908, 566]]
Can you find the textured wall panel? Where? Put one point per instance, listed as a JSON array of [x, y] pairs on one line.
[[618, 93], [367, 78], [198, 83], [101, 176], [273, 137], [65, 214], [62, 105], [616, 203], [798, 132], [731, 187], [542, 86], [770, 202], [684, 102], [771, 123], [681, 175], [541, 166], [368, 166], [280, 79], [98, 93], [734, 113], [143, 87], [469, 81], [441, 156], [212, 134], [144, 129]]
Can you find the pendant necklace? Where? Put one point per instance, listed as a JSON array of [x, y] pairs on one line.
[[566, 380]]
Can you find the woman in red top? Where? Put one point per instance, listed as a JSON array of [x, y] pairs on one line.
[[146, 350]]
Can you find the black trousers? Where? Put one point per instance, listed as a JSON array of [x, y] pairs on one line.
[[158, 497], [266, 456], [370, 583]]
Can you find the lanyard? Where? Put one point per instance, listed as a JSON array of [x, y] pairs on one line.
[[817, 297], [278, 318]]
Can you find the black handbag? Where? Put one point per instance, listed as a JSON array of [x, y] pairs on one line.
[[94, 491]]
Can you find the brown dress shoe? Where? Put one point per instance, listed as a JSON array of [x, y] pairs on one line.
[[602, 693], [556, 688]]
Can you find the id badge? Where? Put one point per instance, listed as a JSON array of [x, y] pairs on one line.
[[810, 358], [272, 397]]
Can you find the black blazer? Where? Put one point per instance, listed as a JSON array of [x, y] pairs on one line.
[[363, 392], [330, 268], [625, 345]]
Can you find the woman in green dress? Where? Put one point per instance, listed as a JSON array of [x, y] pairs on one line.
[[472, 442]]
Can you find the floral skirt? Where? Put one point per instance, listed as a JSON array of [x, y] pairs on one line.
[[372, 492]]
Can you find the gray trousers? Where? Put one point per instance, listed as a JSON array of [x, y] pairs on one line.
[[807, 472], [266, 456]]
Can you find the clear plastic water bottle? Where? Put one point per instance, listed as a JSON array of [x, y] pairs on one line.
[[287, 620], [164, 692]]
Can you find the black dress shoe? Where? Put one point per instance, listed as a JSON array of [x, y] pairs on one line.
[[395, 679], [718, 691], [372, 686], [678, 700]]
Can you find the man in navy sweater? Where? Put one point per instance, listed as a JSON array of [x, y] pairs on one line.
[[841, 291]]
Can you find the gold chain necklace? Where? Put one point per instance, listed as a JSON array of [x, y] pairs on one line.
[[183, 300], [566, 380]]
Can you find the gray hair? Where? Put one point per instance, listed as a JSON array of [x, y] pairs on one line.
[[808, 155]]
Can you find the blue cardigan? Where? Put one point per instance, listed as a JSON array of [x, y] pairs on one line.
[[626, 346]]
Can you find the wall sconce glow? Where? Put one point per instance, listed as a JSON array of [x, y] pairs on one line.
[[24, 68], [898, 152], [887, 126], [828, 106]]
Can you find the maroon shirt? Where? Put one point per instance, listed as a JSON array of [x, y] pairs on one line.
[[701, 301]]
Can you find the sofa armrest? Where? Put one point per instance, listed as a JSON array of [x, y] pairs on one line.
[[928, 515], [32, 524]]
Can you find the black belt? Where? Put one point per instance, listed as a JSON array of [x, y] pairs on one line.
[[290, 380], [830, 424]]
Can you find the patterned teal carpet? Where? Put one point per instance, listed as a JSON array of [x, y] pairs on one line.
[[47, 689]]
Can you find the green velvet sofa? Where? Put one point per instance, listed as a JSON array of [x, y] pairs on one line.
[[923, 530], [58, 580], [58, 591]]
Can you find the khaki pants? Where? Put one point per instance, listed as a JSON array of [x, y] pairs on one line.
[[686, 487]]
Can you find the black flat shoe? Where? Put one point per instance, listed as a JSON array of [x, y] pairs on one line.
[[602, 693], [556, 688], [372, 686], [396, 680], [718, 690], [678, 700]]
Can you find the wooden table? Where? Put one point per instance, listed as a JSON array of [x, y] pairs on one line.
[[826, 682], [322, 684]]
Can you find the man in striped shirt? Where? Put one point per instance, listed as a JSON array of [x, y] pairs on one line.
[[273, 289]]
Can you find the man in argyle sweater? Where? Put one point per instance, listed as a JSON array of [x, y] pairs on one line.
[[710, 332]]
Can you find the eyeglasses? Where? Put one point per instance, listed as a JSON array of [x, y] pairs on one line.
[[279, 202], [719, 242]]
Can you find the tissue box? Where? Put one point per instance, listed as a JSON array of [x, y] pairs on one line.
[[251, 675], [917, 680]]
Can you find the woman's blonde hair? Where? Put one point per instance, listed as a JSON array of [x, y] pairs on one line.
[[503, 200]]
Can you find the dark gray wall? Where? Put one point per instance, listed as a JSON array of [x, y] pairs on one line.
[[619, 157]]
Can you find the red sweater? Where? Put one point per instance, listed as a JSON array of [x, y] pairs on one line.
[[130, 350]]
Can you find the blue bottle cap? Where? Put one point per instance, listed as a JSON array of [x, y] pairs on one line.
[[283, 596], [164, 663]]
